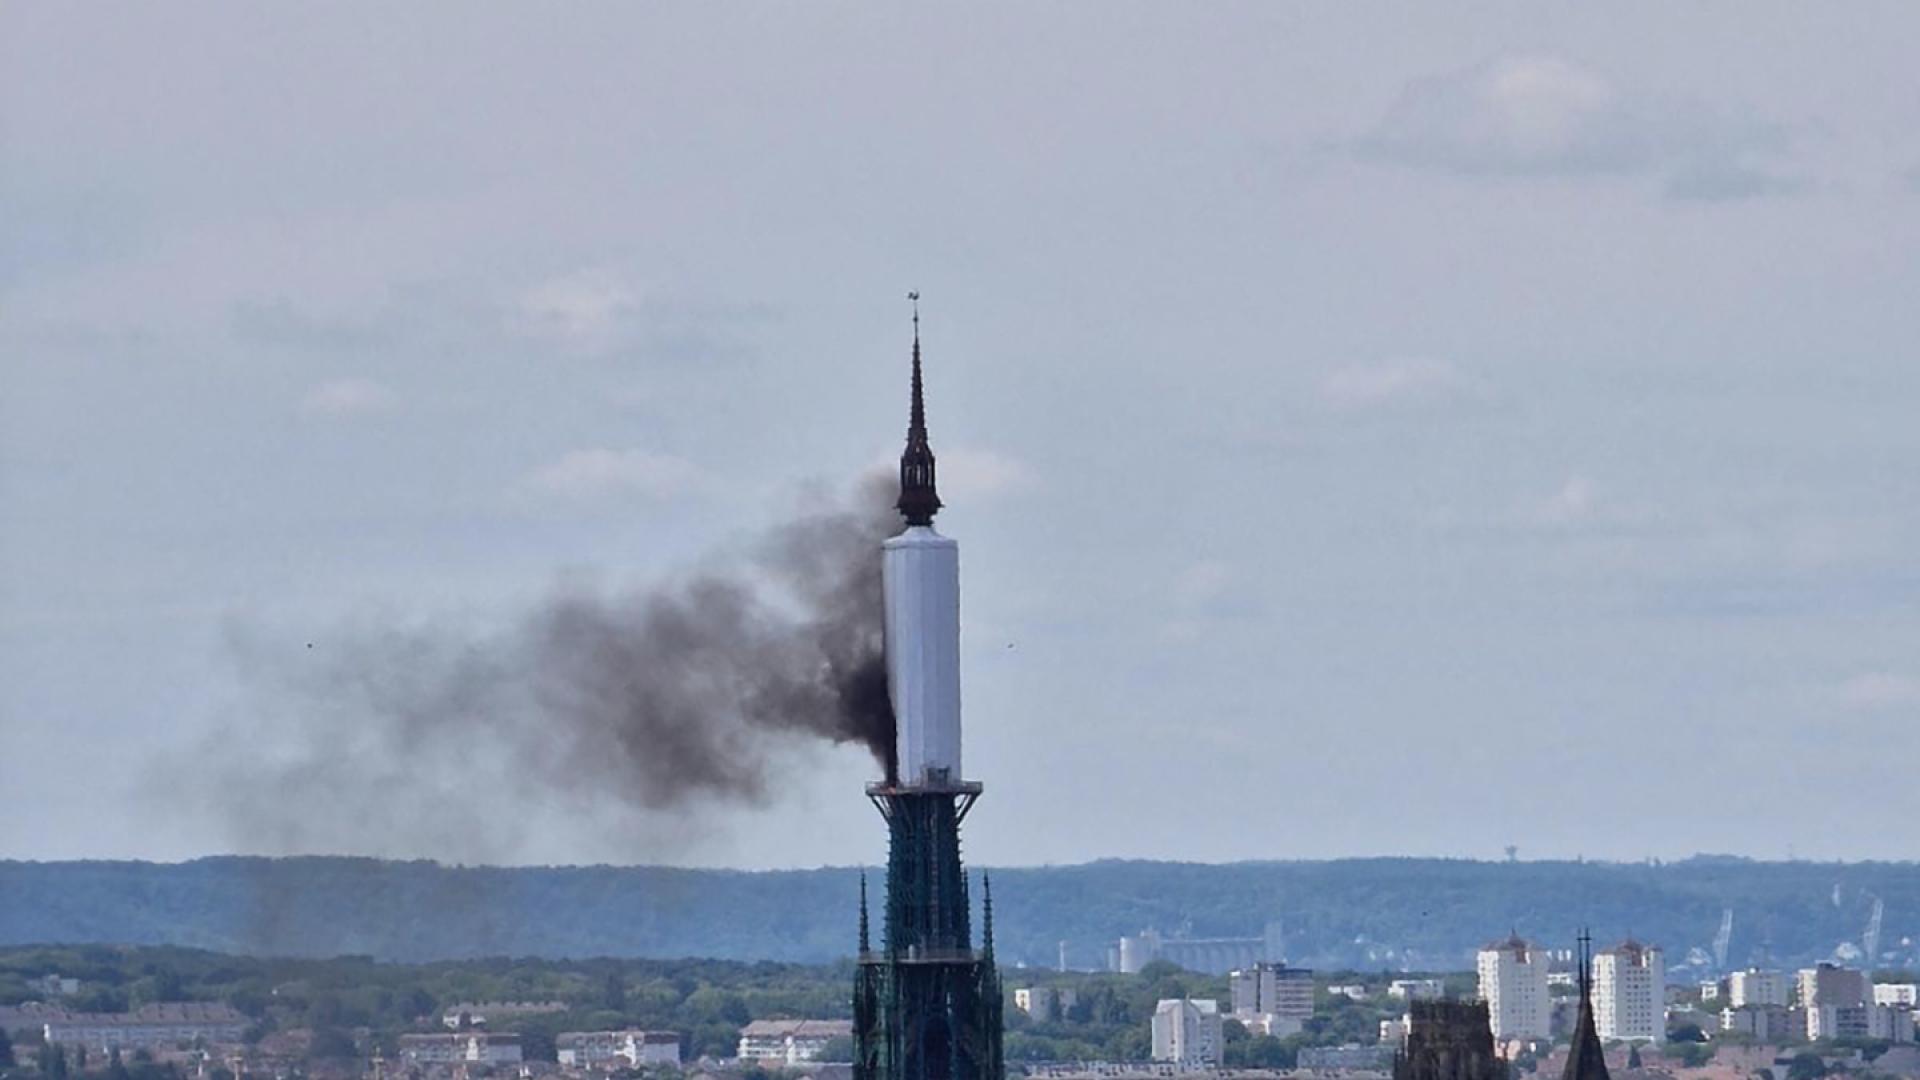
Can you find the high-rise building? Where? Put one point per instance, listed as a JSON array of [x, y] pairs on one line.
[[1272, 988], [1448, 1040], [926, 1005], [1830, 984], [1756, 987], [1188, 1031], [1630, 992], [1513, 983], [1831, 998]]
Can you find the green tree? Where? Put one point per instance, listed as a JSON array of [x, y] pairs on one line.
[[116, 1069], [53, 1061], [537, 1045], [1690, 1054], [6, 1050], [1806, 1066], [837, 1049], [1633, 1056], [331, 1042]]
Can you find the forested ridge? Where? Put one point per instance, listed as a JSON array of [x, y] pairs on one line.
[[1372, 914]]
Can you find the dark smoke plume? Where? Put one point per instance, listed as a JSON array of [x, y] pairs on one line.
[[690, 692]]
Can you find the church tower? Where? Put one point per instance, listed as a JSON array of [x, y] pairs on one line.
[[927, 1005]]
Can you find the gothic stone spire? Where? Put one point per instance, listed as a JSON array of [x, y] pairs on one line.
[[919, 501]]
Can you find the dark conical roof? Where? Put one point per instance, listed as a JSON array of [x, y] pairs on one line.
[[919, 501], [1586, 1060]]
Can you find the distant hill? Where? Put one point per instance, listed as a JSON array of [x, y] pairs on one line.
[[1368, 914]]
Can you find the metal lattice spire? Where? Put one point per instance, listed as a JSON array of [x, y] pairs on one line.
[[863, 911], [986, 913], [919, 500]]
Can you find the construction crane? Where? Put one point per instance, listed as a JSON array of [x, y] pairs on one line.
[[1723, 939], [1870, 937]]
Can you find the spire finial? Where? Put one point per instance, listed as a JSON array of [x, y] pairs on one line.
[[919, 501]]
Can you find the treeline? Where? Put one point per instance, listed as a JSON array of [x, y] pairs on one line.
[[1368, 914]]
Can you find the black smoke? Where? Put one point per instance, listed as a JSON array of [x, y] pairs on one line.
[[658, 701]]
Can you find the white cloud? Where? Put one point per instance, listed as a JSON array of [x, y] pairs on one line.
[[1203, 583], [1206, 592], [349, 398], [1547, 116], [1417, 379], [1571, 504], [590, 309], [601, 473], [969, 474], [1877, 690]]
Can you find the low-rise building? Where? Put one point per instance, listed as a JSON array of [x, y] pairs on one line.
[[1350, 1057], [789, 1042], [464, 1047], [1761, 1023], [147, 1027], [1350, 991], [1907, 994], [478, 1013], [1893, 1023], [1188, 1031], [1045, 1003], [585, 1049], [1417, 989]]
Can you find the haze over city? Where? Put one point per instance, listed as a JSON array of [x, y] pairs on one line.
[[1369, 434]]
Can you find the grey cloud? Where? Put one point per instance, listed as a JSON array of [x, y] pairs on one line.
[[1729, 181], [1544, 116], [280, 321]]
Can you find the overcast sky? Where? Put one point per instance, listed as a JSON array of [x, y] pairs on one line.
[[1368, 430]]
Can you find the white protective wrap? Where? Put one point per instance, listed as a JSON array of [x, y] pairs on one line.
[[920, 572]]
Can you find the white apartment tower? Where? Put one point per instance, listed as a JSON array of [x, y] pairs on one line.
[[1187, 1031], [1513, 981], [1630, 992], [1756, 987]]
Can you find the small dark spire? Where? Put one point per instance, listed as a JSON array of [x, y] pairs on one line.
[[1586, 1059], [918, 499], [863, 912]]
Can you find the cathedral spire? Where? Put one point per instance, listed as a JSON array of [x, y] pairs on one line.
[[1586, 1059], [918, 499]]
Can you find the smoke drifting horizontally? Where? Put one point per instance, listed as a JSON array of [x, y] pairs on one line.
[[656, 701]]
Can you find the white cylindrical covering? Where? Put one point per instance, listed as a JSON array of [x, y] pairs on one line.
[[920, 571]]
